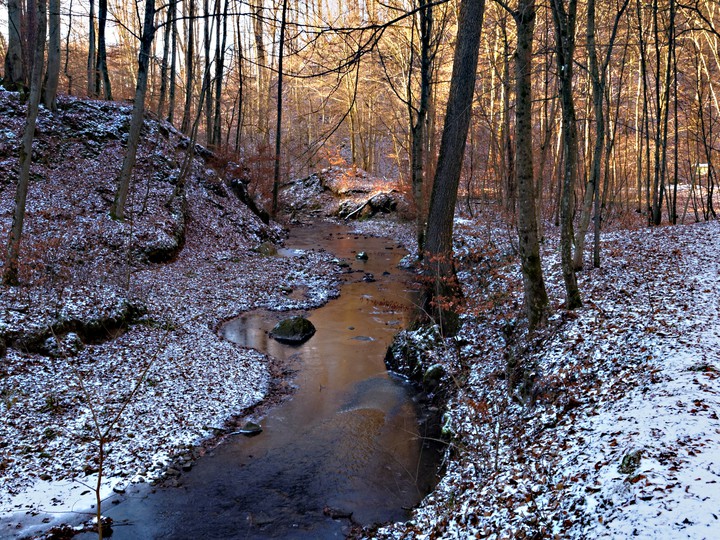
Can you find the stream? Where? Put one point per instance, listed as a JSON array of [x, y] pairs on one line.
[[347, 443]]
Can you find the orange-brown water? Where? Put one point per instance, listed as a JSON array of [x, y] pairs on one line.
[[348, 440]]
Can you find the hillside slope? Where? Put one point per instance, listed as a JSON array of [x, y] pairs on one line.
[[101, 300]]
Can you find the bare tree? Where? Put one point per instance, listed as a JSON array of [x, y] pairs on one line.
[[278, 126], [189, 67], [14, 73], [10, 273], [536, 299], [447, 176], [52, 76], [91, 59], [102, 78], [565, 21], [118, 208]]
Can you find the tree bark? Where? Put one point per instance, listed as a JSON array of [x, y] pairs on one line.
[[418, 129], [219, 68], [173, 61], [103, 77], [164, 67], [91, 74], [52, 76], [565, 47], [444, 289], [14, 73], [536, 299], [118, 208], [206, 85], [278, 126], [189, 69], [10, 273]]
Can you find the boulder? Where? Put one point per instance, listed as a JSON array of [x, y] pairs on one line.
[[295, 330]]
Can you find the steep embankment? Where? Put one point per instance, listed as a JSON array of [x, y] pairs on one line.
[[605, 423], [102, 300]]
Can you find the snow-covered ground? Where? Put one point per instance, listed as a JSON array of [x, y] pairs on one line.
[[100, 339], [616, 434]]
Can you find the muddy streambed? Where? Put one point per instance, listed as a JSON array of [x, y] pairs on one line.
[[347, 443]]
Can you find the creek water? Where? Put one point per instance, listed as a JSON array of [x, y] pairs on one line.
[[348, 441]]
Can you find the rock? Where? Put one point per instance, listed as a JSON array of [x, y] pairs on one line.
[[68, 345], [3, 347], [267, 249], [383, 202], [294, 330], [630, 462], [433, 375], [336, 513], [362, 256], [368, 278], [250, 429]]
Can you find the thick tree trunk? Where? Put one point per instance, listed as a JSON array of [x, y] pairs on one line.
[[118, 208], [444, 289], [536, 299], [14, 73], [565, 47], [52, 76], [10, 273]]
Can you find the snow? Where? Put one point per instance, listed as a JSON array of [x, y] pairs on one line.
[[102, 340], [632, 373], [604, 423]]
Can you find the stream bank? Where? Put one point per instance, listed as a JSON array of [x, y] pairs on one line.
[[347, 449]]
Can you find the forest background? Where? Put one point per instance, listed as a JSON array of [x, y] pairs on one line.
[[574, 112]]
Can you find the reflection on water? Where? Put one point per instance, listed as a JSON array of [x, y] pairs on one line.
[[346, 443]]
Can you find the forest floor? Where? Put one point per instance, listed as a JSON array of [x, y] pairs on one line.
[[607, 425], [114, 326]]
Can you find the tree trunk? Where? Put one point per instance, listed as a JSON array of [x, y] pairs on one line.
[[598, 78], [262, 116], [418, 129], [565, 46], [52, 76], [206, 85], [14, 73], [91, 52], [444, 289], [118, 208], [10, 273], [219, 68], [189, 69], [164, 67], [103, 77], [173, 61], [66, 69], [278, 126], [536, 299]]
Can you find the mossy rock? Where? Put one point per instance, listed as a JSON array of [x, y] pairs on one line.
[[295, 330], [432, 377], [267, 249], [630, 462]]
